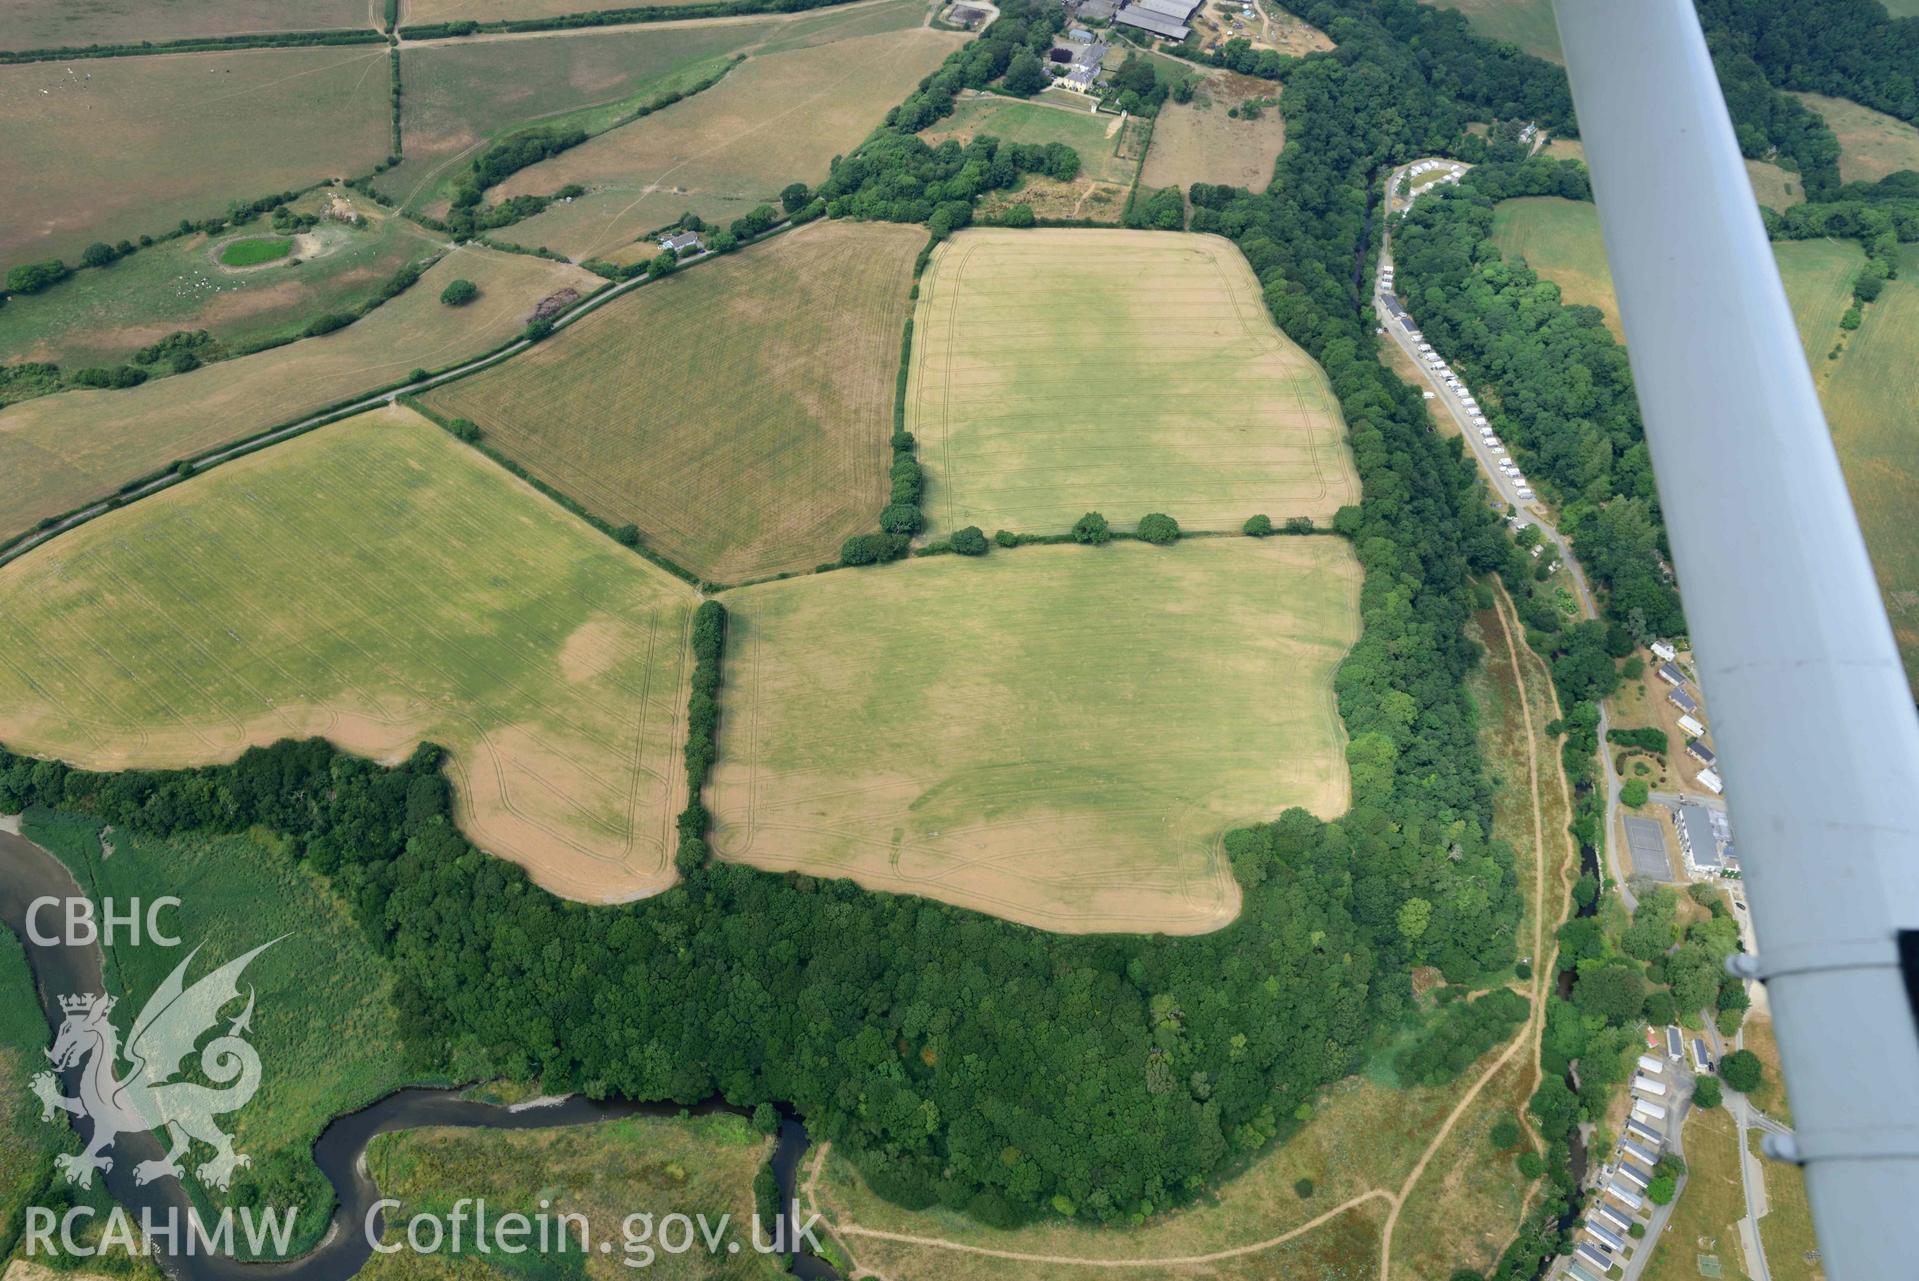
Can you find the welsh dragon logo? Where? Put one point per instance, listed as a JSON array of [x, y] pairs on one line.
[[150, 1097]]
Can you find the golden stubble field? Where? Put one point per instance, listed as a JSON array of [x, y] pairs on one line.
[[777, 118], [111, 148], [76, 447], [1198, 141], [1060, 371], [737, 413], [377, 583], [1060, 735]]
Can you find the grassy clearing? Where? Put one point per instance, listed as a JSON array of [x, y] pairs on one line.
[[117, 147], [1770, 1097], [380, 584], [777, 118], [605, 1172], [1702, 1226], [327, 1047], [1198, 141], [1125, 371], [1785, 1230], [1362, 1136], [80, 446], [763, 469], [461, 95], [1099, 140], [1464, 1208], [255, 250], [1774, 187], [104, 317], [1869, 396], [61, 24], [1871, 143], [1526, 23], [985, 794]]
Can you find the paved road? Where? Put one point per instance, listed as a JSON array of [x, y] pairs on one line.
[[1752, 1175], [1398, 324]]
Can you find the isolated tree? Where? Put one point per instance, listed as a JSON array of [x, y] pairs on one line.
[[1092, 528], [1158, 528], [1303, 1188], [1257, 526], [1742, 1071], [1660, 1191], [1706, 1093], [969, 541], [1024, 75], [1505, 1133], [1634, 792], [1530, 1164], [459, 293], [793, 198]]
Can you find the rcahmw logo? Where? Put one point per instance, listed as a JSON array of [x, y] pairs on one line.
[[149, 1096]]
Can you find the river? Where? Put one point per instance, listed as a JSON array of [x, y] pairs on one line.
[[28, 872]]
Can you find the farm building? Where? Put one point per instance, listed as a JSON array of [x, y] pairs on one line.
[[1166, 18], [1701, 753], [1097, 10], [1691, 725], [1670, 673], [1710, 780], [1682, 700]]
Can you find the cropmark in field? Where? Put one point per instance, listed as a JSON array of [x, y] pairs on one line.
[[112, 148], [737, 413], [1060, 735], [1056, 372], [377, 583], [80, 446], [775, 119]]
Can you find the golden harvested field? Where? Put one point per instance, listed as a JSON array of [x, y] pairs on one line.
[[1108, 151], [111, 148], [67, 24], [73, 448], [1061, 371], [380, 584], [738, 413], [1198, 142], [1871, 143], [953, 728], [775, 119]]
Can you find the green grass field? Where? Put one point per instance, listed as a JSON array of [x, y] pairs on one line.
[[1702, 1228], [80, 446], [605, 1172], [1868, 393], [1056, 734], [323, 1025], [737, 413], [62, 24], [779, 117], [1526, 23], [26, 1142], [256, 250], [1096, 138], [1061, 371], [378, 583], [119, 147], [1871, 143], [101, 318], [461, 95]]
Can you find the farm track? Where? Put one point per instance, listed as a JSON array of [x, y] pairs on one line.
[[1526, 1042]]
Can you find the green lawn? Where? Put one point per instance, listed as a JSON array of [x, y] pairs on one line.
[[323, 1025], [1065, 736], [255, 250], [1870, 398], [379, 583]]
